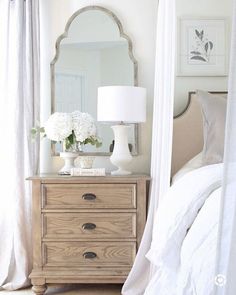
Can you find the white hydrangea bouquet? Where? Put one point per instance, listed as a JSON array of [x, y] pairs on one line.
[[72, 129]]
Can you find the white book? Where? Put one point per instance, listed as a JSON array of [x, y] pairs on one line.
[[88, 172]]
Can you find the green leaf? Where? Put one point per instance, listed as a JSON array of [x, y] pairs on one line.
[[70, 139], [206, 46], [37, 131], [98, 144], [93, 141], [33, 131]]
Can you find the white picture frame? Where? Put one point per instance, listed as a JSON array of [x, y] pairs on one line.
[[202, 48]]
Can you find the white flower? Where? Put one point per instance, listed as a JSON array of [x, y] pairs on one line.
[[83, 125], [58, 126]]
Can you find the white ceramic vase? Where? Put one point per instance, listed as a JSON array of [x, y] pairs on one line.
[[69, 158]]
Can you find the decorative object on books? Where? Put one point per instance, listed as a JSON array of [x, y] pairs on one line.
[[202, 47], [86, 162], [73, 130], [122, 104]]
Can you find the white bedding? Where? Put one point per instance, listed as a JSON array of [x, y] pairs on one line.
[[185, 234]]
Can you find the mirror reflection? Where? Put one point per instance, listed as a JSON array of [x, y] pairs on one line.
[[94, 53]]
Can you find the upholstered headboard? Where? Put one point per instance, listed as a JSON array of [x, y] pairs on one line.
[[188, 133]]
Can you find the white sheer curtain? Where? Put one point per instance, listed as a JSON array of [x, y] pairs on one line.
[[19, 109], [226, 260], [161, 139]]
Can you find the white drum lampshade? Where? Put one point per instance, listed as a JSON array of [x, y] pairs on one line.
[[121, 104]]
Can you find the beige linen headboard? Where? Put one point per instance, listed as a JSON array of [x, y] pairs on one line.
[[188, 133]]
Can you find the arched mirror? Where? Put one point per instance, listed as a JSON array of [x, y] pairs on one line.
[[93, 51]]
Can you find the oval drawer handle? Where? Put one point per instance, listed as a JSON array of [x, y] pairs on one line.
[[89, 255], [89, 197], [89, 226]]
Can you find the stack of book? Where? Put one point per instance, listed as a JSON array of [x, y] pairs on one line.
[[88, 172]]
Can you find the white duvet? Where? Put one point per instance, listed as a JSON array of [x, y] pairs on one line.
[[184, 241]]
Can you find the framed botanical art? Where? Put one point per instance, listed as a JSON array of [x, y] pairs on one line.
[[202, 47]]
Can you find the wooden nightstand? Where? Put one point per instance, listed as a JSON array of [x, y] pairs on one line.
[[86, 229]]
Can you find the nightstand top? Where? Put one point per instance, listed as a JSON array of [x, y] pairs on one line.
[[107, 178]]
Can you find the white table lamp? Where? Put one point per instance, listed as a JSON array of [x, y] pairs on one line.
[[121, 104]]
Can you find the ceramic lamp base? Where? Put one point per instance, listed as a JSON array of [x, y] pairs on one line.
[[121, 156], [120, 172], [69, 159]]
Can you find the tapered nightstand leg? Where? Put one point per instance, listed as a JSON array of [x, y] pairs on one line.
[[39, 289]]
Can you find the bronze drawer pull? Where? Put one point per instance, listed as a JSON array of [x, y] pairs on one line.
[[89, 197], [89, 226], [89, 255]]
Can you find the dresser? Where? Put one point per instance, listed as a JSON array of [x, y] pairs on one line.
[[86, 229]]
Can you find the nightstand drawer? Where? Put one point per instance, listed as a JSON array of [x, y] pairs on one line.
[[72, 196], [89, 254], [89, 225], [86, 229]]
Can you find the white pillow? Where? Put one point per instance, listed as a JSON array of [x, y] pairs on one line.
[[214, 117]]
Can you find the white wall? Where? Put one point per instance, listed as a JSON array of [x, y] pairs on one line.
[[205, 8], [139, 21], [106, 29]]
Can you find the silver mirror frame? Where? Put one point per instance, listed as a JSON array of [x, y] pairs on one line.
[[57, 50]]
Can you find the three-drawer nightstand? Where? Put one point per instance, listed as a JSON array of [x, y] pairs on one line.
[[86, 229]]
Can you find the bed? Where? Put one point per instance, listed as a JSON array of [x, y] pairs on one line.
[[183, 248], [188, 129]]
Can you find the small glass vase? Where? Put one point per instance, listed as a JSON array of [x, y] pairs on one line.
[[72, 148]]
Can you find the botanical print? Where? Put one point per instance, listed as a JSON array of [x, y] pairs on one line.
[[202, 49]]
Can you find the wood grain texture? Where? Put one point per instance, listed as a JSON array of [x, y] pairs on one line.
[[141, 209], [36, 224], [106, 196], [72, 253], [103, 252], [39, 289], [89, 225], [83, 276], [55, 178]]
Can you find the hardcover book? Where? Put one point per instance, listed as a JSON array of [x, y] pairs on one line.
[[88, 172]]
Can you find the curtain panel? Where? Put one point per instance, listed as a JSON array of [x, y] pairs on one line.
[[19, 111], [225, 283], [143, 270]]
